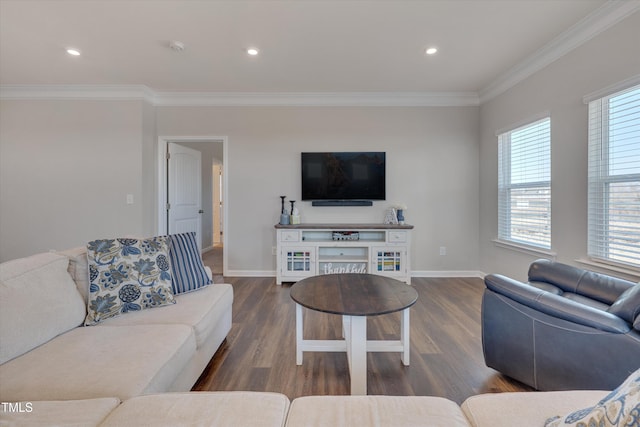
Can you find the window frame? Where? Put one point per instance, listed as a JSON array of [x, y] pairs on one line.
[[505, 187], [600, 179]]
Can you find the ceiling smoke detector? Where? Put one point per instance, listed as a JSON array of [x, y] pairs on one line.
[[176, 46]]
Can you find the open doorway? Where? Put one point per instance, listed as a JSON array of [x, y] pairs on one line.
[[213, 152], [215, 257]]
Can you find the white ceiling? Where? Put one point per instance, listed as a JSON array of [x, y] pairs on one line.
[[305, 46]]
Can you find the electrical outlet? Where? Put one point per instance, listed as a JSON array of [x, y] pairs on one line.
[[443, 250], [274, 250]]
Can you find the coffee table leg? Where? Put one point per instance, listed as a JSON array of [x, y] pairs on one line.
[[405, 326], [299, 329], [357, 347]]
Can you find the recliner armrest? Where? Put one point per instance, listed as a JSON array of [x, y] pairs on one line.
[[556, 305]]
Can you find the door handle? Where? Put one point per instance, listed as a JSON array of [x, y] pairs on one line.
[[200, 211]]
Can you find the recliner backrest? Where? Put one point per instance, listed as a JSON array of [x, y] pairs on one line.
[[600, 287]]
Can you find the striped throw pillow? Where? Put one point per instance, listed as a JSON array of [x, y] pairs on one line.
[[186, 263]]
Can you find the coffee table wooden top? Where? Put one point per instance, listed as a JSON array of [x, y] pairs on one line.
[[353, 294]]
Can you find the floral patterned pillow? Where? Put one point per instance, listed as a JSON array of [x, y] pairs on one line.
[[620, 408], [127, 275]]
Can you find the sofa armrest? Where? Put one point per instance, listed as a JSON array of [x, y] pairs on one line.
[[556, 305]]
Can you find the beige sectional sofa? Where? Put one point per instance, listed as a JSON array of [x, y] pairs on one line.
[[136, 369], [46, 353], [248, 409]]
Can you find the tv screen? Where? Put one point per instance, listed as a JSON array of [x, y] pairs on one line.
[[343, 176]]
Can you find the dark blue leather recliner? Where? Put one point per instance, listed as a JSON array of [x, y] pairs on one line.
[[567, 328]]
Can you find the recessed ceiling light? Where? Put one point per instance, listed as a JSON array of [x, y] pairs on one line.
[[72, 51], [252, 51], [431, 51]]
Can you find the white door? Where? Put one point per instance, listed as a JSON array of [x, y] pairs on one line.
[[183, 191]]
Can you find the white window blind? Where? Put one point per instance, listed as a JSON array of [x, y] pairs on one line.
[[524, 185], [614, 178]]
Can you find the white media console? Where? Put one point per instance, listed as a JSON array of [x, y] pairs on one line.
[[305, 250]]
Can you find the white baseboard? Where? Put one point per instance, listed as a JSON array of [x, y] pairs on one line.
[[428, 273], [448, 273], [250, 273]]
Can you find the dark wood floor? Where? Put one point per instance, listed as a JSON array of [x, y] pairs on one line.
[[446, 352]]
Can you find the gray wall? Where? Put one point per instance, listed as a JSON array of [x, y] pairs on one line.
[[66, 168], [431, 166], [609, 58]]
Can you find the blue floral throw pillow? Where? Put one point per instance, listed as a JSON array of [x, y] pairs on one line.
[[620, 408], [127, 275]]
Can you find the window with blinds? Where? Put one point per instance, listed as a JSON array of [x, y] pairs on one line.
[[524, 185], [614, 178]]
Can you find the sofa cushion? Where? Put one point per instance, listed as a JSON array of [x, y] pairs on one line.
[[200, 310], [546, 287], [127, 275], [586, 301], [104, 361], [392, 411], [627, 305], [70, 413], [79, 269], [188, 272], [220, 409], [524, 409], [39, 302], [620, 408], [601, 287]]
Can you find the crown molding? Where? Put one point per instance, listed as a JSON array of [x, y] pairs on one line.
[[600, 20], [239, 99], [77, 92], [319, 99]]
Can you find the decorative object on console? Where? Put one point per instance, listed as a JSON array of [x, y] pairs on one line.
[[390, 216], [295, 215], [345, 235], [127, 275], [400, 213], [284, 218], [188, 272]]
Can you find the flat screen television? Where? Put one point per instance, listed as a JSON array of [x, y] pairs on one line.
[[343, 176]]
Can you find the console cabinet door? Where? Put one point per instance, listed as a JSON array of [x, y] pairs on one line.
[[389, 261], [298, 261]]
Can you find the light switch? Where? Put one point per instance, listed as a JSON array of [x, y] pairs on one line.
[[129, 199]]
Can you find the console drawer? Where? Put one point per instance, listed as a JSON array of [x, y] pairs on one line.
[[290, 236], [397, 236]]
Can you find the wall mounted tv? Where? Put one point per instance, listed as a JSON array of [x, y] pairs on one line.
[[343, 178]]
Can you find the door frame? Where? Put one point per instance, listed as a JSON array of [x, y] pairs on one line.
[[161, 185]]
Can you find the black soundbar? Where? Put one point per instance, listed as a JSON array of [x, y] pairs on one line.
[[342, 203]]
